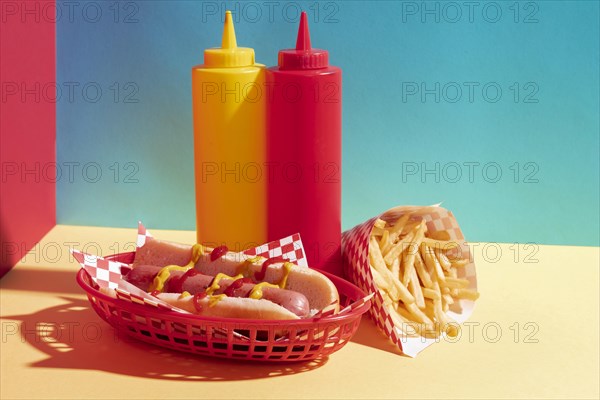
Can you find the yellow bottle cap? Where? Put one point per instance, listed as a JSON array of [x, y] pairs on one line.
[[228, 55]]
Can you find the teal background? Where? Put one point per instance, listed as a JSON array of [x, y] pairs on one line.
[[379, 45]]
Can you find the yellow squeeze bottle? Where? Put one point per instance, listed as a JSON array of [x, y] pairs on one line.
[[229, 145]]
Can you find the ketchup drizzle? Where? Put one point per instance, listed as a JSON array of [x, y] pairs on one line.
[[176, 285], [196, 300], [218, 252], [259, 276], [235, 285]]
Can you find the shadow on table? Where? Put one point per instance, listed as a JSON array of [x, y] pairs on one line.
[[52, 281], [369, 335], [73, 337], [41, 280]]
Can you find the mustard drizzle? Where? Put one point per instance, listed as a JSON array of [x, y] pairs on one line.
[[158, 283], [243, 271]]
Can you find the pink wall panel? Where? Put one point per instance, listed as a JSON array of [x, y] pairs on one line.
[[27, 127]]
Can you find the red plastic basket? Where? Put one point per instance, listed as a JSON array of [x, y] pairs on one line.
[[263, 340]]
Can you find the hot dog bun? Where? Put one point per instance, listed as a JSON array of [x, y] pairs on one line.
[[230, 307], [318, 290]]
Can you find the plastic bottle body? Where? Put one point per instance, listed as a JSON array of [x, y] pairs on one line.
[[304, 154], [229, 153]]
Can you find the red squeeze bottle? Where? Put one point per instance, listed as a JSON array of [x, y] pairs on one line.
[[304, 140]]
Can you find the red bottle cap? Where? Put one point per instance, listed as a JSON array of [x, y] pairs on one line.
[[303, 56]]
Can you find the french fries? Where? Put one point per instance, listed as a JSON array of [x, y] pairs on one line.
[[416, 272]]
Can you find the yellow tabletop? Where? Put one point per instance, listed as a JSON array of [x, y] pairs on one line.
[[534, 333]]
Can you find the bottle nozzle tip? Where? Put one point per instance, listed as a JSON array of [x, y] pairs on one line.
[[228, 41], [303, 40]]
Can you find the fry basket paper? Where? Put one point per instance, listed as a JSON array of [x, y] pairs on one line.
[[355, 248]]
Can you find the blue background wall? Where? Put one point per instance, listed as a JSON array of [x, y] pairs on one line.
[[124, 121]]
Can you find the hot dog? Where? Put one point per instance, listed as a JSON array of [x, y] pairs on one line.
[[180, 282], [217, 282]]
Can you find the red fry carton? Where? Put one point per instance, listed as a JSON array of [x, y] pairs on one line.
[[355, 249]]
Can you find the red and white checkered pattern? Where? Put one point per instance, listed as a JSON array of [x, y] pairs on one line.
[[355, 249], [290, 248], [107, 275], [142, 235], [444, 220]]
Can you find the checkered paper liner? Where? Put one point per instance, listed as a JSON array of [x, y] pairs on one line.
[[290, 247], [355, 248], [107, 274], [142, 235]]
